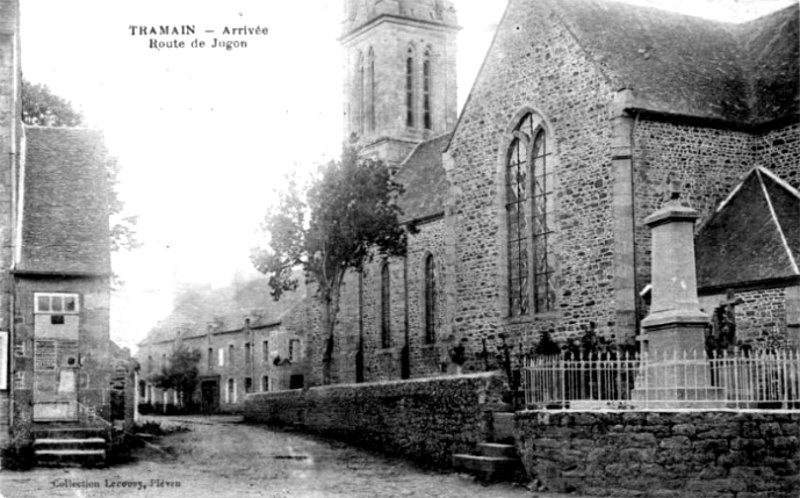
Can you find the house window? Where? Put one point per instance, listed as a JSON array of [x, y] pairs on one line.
[[529, 213], [410, 87], [294, 350], [55, 303], [221, 357], [149, 363], [210, 358], [386, 340], [265, 351], [230, 355], [248, 354], [426, 91], [371, 90], [231, 391], [430, 300], [265, 383], [248, 384]]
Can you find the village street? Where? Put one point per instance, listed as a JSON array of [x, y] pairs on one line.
[[221, 457]]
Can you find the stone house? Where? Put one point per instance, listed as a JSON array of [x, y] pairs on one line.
[[54, 329], [586, 117]]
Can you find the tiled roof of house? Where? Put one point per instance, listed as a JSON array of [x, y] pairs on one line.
[[424, 179], [65, 204], [754, 235], [677, 64], [225, 309]]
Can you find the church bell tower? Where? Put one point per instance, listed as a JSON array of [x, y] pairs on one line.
[[400, 74]]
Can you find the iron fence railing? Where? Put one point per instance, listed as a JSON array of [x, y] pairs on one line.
[[753, 379]]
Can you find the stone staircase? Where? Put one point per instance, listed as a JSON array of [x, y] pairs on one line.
[[496, 459], [64, 445]]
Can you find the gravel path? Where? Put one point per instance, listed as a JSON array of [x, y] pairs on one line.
[[221, 457]]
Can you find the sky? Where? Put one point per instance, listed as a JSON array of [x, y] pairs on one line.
[[205, 135]]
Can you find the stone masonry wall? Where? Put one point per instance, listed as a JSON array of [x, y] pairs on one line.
[[704, 165], [426, 420], [406, 290], [778, 151], [762, 312], [695, 454], [536, 63]]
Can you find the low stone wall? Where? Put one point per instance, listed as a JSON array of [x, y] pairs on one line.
[[663, 454], [427, 420]]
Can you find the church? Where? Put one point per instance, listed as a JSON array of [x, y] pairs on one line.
[[528, 207]]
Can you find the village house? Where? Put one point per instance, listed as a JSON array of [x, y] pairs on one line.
[[241, 351], [586, 117]]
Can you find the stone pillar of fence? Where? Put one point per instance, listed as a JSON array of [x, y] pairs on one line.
[[677, 374]]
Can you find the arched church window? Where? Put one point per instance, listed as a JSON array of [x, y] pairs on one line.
[[529, 212], [371, 90], [361, 89], [430, 300], [386, 340], [543, 200], [426, 90], [410, 120]]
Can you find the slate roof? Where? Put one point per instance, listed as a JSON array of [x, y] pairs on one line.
[[424, 179], [226, 308], [65, 205], [744, 73], [754, 235]]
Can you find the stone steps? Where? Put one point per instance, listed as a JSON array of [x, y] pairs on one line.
[[67, 446], [497, 459]]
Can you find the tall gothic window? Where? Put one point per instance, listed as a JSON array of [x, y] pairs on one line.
[[410, 87], [426, 90], [361, 89], [386, 340], [430, 300], [371, 90], [529, 209], [543, 200]]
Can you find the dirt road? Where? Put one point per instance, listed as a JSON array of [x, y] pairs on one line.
[[221, 457]]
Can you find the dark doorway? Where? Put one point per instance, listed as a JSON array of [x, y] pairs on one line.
[[296, 382], [209, 396]]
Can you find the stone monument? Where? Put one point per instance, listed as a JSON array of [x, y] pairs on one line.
[[677, 373]]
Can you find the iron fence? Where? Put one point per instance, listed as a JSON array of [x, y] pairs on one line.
[[753, 379]]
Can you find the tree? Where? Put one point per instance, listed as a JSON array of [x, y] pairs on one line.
[[180, 374], [41, 107], [352, 217]]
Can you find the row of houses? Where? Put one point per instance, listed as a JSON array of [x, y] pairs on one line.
[[239, 352]]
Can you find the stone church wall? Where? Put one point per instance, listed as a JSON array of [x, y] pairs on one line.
[[778, 151], [702, 164], [764, 312], [406, 286], [546, 69]]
